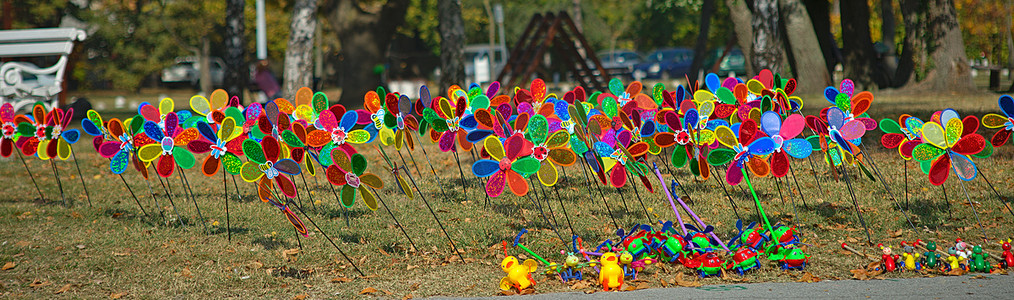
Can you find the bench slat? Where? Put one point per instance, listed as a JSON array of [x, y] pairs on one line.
[[41, 35], [36, 49]]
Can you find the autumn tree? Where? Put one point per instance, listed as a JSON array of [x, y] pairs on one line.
[[365, 32]]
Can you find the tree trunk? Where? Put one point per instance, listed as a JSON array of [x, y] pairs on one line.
[[1010, 42], [859, 57], [236, 72], [452, 43], [950, 70], [741, 18], [887, 35], [701, 46], [819, 11], [299, 53], [810, 69], [913, 50], [205, 66], [767, 39], [364, 38]]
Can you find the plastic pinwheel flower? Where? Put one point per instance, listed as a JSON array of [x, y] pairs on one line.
[[946, 148], [1006, 121], [746, 151], [549, 149], [9, 129], [223, 144], [853, 107], [350, 174], [507, 165], [445, 126], [901, 138], [784, 134], [47, 135], [171, 145], [119, 148], [617, 161], [336, 135], [534, 100], [619, 99], [264, 165], [400, 120], [309, 105], [218, 102]]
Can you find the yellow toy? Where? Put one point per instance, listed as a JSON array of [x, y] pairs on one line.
[[954, 261], [909, 257], [611, 274], [519, 276]]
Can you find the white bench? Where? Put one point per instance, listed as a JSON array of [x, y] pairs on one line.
[[35, 43]]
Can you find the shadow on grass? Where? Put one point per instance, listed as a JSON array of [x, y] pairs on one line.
[[271, 243], [224, 231]]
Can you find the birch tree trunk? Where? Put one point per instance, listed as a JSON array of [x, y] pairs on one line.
[[767, 40], [810, 69], [741, 21], [299, 53]]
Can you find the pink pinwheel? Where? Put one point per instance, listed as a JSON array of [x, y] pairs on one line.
[[745, 149], [507, 166], [9, 122], [786, 144]]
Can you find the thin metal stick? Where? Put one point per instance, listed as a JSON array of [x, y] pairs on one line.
[[543, 213], [322, 232], [83, 185], [998, 197], [721, 183], [37, 189], [225, 191], [876, 170], [848, 183], [974, 211], [564, 207], [414, 248], [421, 195], [56, 175], [132, 195], [185, 187], [461, 173], [169, 194], [801, 196]]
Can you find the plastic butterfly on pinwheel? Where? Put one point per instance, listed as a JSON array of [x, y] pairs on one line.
[[115, 142], [400, 120], [350, 175], [336, 135], [784, 134], [224, 144], [1006, 121], [376, 115], [263, 164], [552, 146], [900, 138], [746, 148], [93, 125], [9, 129], [946, 148], [445, 125], [616, 162], [508, 165], [47, 133], [170, 147]]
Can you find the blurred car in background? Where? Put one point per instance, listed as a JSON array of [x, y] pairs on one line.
[[733, 64], [185, 71], [620, 62], [665, 63]]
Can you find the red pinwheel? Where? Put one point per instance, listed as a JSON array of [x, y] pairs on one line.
[[947, 148], [264, 164], [445, 126], [997, 121], [170, 147], [335, 134], [507, 166], [47, 135], [901, 138], [9, 122]]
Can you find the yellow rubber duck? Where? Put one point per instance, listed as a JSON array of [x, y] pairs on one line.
[[519, 276], [610, 274]]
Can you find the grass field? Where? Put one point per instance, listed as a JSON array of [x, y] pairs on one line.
[[111, 249]]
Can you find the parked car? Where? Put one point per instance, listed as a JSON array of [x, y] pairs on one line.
[[733, 64], [620, 62], [665, 63], [186, 71]]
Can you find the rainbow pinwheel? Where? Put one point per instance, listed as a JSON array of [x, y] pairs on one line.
[[375, 109], [947, 148], [116, 142], [336, 135], [205, 107], [552, 146], [264, 164], [627, 99], [350, 174], [853, 107], [616, 161], [1006, 121], [9, 122], [309, 105], [745, 149], [171, 145], [400, 120], [445, 125], [506, 166], [47, 135], [224, 146], [784, 133], [534, 100]]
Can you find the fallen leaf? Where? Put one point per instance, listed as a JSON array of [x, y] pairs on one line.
[[255, 265], [681, 282], [9, 265], [121, 254], [21, 244], [340, 280], [290, 254], [895, 234], [117, 295], [186, 273], [368, 291], [64, 289], [406, 297], [410, 267], [299, 297], [580, 285], [808, 277], [75, 215], [39, 283]]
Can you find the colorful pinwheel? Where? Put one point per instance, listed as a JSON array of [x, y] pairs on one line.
[[47, 135], [552, 146], [901, 138], [224, 145], [742, 147], [1006, 121], [350, 174], [947, 148], [336, 135], [264, 164], [9, 122], [506, 166], [445, 126], [171, 145]]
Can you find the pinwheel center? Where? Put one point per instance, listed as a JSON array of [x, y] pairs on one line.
[[1010, 124], [623, 98], [378, 119], [338, 136], [452, 124], [167, 145], [126, 142], [352, 179], [218, 149], [57, 130], [569, 125], [269, 170], [8, 130], [40, 132], [778, 142], [540, 153], [682, 137], [505, 164], [401, 122], [741, 154]]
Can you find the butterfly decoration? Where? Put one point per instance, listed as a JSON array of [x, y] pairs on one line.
[[746, 149], [839, 135], [350, 174], [264, 164], [375, 114], [1005, 121], [445, 125], [784, 134], [46, 134], [170, 147], [946, 147], [618, 98], [511, 160], [9, 123]]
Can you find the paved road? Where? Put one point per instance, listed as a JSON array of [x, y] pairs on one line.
[[943, 287]]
